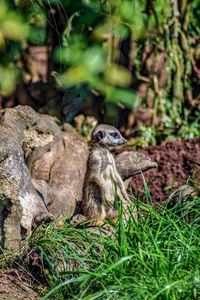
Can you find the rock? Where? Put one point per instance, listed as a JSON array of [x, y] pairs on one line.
[[41, 171], [181, 195], [19, 200], [63, 167], [131, 163]]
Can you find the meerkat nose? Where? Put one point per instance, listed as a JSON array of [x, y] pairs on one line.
[[124, 141]]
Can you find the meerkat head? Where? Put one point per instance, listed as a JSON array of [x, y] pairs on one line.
[[106, 135]]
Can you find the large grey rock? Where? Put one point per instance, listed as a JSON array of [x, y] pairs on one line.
[[63, 167], [41, 171], [19, 200]]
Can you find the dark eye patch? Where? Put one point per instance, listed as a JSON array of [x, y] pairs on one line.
[[115, 135]]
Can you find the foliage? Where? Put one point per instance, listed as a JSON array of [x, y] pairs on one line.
[[13, 31], [115, 47]]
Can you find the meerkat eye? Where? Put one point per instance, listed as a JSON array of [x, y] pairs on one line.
[[115, 135]]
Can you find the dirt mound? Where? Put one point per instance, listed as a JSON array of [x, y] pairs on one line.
[[17, 285], [177, 161]]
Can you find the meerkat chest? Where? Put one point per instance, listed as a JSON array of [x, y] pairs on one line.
[[108, 167], [108, 177]]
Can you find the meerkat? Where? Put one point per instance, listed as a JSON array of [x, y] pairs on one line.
[[102, 181]]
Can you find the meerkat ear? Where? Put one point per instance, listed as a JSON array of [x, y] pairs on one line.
[[97, 137], [100, 135]]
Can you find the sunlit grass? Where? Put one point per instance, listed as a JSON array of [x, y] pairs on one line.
[[157, 257]]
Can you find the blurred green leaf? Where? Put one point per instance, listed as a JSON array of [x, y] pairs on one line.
[[37, 35], [9, 79], [2, 42], [138, 26], [118, 75], [123, 96], [122, 31], [72, 54], [127, 9], [93, 59], [74, 75], [12, 25]]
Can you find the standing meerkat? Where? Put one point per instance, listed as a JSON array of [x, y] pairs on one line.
[[102, 181]]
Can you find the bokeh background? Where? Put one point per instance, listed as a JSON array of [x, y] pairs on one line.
[[131, 63]]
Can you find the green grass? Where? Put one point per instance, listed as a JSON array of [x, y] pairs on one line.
[[156, 258]]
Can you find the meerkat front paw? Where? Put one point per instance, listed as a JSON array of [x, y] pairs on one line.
[[78, 219]]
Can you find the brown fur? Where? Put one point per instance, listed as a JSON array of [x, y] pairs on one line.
[[102, 181]]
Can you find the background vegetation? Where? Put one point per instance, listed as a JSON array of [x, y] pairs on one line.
[[128, 54]]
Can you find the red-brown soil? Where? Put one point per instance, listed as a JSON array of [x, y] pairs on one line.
[[177, 161]]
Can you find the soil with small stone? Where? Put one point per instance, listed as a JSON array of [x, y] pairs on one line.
[[15, 284], [177, 162]]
